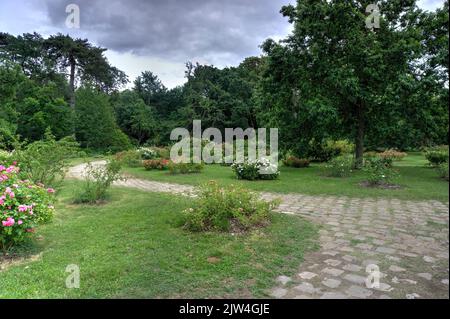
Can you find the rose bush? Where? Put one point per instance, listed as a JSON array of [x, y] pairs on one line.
[[23, 206], [259, 169], [160, 164]]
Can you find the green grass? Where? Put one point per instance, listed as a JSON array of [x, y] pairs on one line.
[[133, 247], [418, 181]]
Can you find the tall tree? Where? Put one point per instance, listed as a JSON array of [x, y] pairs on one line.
[[335, 63]]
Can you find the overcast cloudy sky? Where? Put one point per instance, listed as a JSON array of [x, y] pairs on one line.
[[160, 35]]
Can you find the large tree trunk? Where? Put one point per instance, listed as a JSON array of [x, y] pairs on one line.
[[359, 151], [72, 81]]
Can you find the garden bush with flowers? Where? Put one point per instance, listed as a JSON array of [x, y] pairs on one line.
[[23, 206], [253, 170]]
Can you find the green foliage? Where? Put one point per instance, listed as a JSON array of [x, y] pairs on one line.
[[98, 180], [159, 164], [293, 161], [437, 156], [227, 209], [154, 152], [393, 154], [341, 166], [46, 161], [378, 171], [130, 158], [442, 170], [185, 168], [259, 169], [23, 204], [95, 126]]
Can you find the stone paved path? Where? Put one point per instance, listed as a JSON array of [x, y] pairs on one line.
[[408, 242]]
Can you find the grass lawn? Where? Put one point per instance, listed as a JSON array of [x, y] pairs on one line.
[[133, 247], [418, 181]]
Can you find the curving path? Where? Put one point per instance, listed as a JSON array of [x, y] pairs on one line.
[[408, 241]]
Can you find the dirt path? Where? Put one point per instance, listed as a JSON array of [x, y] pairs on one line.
[[407, 241]]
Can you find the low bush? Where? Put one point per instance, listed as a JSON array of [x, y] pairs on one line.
[[437, 156], [148, 153], [443, 171], [341, 166], [259, 169], [23, 206], [227, 209], [46, 161], [325, 151], [185, 168], [393, 154], [293, 161], [160, 164], [378, 171], [98, 179], [131, 158]]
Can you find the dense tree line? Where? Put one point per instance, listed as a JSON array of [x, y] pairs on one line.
[[332, 78]]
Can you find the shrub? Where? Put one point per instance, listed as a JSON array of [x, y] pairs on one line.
[[185, 168], [340, 166], [392, 154], [437, 156], [325, 151], [131, 158], [293, 161], [227, 209], [378, 171], [153, 152], [46, 161], [98, 179], [23, 206], [443, 171], [252, 170], [160, 164]]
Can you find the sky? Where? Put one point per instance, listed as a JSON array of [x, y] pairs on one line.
[[161, 35]]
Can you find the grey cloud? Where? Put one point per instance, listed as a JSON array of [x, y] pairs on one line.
[[177, 29]]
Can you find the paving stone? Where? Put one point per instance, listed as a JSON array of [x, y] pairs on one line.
[[425, 275], [348, 258], [356, 279], [332, 262], [306, 287], [359, 292], [412, 296], [333, 295], [283, 279], [333, 271], [384, 287], [278, 292], [429, 259], [395, 268], [352, 267], [307, 275], [364, 246], [385, 250], [445, 281], [331, 283]]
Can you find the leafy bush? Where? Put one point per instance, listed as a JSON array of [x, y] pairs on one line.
[[293, 161], [326, 150], [378, 171], [98, 179], [131, 158], [160, 164], [340, 166], [437, 156], [227, 209], [251, 170], [148, 153], [392, 154], [443, 171], [23, 206], [185, 168], [46, 161]]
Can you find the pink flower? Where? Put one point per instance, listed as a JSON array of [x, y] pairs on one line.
[[8, 222], [20, 222], [30, 230], [50, 190], [23, 208], [2, 168]]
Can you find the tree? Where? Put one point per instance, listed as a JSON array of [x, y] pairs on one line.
[[85, 60], [95, 123], [336, 66]]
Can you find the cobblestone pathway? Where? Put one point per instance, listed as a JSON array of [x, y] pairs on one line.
[[408, 241]]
